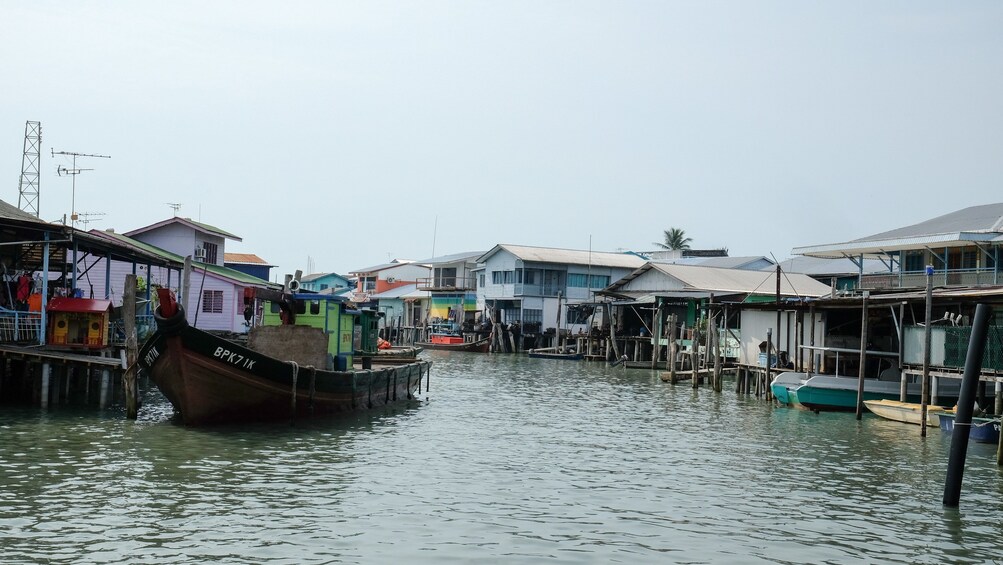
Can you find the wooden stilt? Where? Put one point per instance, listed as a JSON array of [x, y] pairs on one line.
[[131, 350], [44, 394]]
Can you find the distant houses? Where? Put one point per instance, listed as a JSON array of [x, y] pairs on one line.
[[328, 283], [249, 264], [534, 285]]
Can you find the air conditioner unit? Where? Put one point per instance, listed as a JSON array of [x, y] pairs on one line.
[[200, 253]]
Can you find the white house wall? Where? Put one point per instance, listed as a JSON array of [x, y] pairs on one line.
[[404, 272], [754, 326], [182, 240], [653, 280]]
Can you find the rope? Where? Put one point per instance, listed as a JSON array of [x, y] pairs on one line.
[[296, 372]]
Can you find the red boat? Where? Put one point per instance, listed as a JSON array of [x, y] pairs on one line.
[[452, 342]]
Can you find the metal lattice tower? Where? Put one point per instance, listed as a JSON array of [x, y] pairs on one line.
[[30, 182]]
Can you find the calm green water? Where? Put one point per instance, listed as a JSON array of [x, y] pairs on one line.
[[512, 460]]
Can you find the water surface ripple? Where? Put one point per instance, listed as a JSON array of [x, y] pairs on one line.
[[511, 460]]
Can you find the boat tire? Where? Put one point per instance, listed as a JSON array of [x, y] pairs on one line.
[[173, 324]]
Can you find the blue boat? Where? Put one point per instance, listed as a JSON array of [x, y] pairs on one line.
[[984, 430]]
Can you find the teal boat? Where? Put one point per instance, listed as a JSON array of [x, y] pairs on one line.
[[833, 392], [785, 386]]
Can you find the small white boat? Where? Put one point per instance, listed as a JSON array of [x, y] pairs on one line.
[[907, 412]]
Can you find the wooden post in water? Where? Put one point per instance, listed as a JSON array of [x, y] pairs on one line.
[[717, 358], [105, 389], [863, 357], [612, 330], [927, 340], [811, 354], [656, 350], [903, 379], [769, 347], [46, 376], [695, 356], [671, 356], [131, 350], [966, 405]]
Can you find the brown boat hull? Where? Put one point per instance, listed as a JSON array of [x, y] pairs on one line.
[[211, 380]]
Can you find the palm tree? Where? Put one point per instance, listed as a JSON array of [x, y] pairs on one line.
[[675, 239]]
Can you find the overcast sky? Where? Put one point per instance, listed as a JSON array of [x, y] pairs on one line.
[[344, 131]]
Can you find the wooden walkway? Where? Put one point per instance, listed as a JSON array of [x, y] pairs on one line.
[[39, 355]]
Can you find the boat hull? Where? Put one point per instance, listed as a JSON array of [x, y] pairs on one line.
[[983, 430], [784, 387], [211, 380], [832, 392], [479, 346], [905, 412], [546, 355]]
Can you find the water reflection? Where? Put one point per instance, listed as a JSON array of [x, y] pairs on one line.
[[511, 459]]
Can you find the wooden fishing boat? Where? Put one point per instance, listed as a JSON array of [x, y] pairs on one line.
[[906, 412], [983, 430], [300, 367], [568, 354], [454, 342]]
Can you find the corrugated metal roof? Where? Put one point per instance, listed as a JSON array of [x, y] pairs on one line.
[[245, 259], [11, 212], [821, 266], [382, 266], [405, 291], [568, 256], [963, 227], [732, 281], [199, 226], [723, 262], [452, 258]]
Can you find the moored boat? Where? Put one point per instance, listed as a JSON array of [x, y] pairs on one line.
[[833, 392], [299, 367], [906, 412], [785, 385], [983, 430], [454, 342], [566, 353]]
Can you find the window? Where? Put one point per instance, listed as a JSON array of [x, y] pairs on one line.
[[323, 287], [599, 281], [212, 301], [502, 277], [915, 261], [211, 251], [481, 279], [532, 316], [576, 280]]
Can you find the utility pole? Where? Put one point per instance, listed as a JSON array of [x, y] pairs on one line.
[[73, 172], [31, 178]]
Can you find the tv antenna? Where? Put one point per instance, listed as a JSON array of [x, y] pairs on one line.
[[85, 217], [174, 206], [73, 172]]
